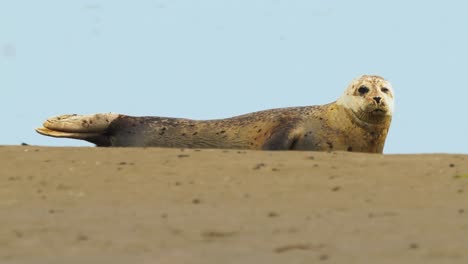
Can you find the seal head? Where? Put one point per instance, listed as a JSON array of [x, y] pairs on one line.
[[369, 98]]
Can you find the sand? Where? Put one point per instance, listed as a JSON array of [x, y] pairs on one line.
[[130, 205]]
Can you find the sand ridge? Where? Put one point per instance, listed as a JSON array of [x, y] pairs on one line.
[[154, 205]]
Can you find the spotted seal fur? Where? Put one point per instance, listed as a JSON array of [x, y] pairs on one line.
[[358, 121]]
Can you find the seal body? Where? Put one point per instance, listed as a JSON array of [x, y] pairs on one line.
[[358, 121]]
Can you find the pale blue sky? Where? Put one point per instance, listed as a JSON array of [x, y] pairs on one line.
[[218, 58]]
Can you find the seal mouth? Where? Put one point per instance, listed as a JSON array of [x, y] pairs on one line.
[[378, 111], [372, 116]]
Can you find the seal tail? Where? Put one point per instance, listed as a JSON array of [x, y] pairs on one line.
[[92, 128]]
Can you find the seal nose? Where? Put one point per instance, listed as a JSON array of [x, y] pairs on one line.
[[377, 99]]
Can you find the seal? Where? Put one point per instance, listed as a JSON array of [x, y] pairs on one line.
[[358, 121]]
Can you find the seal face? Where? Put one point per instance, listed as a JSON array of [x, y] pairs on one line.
[[358, 121], [369, 98]]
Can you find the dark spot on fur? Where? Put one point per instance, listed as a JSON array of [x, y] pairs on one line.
[[222, 131], [451, 165], [320, 118], [183, 134], [194, 133], [349, 149], [163, 129], [330, 144], [196, 201], [260, 130]]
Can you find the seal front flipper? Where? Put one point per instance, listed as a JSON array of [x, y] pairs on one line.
[[284, 138], [92, 128]]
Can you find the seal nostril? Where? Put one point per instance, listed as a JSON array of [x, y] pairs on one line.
[[377, 99]]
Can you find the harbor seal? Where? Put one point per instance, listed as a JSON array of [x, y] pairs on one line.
[[358, 121]]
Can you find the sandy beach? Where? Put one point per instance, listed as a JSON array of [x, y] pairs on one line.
[[153, 205]]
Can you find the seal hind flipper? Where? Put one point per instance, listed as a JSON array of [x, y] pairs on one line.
[[80, 123], [60, 134], [92, 128]]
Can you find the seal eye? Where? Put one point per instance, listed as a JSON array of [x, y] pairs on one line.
[[363, 90], [384, 90]]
